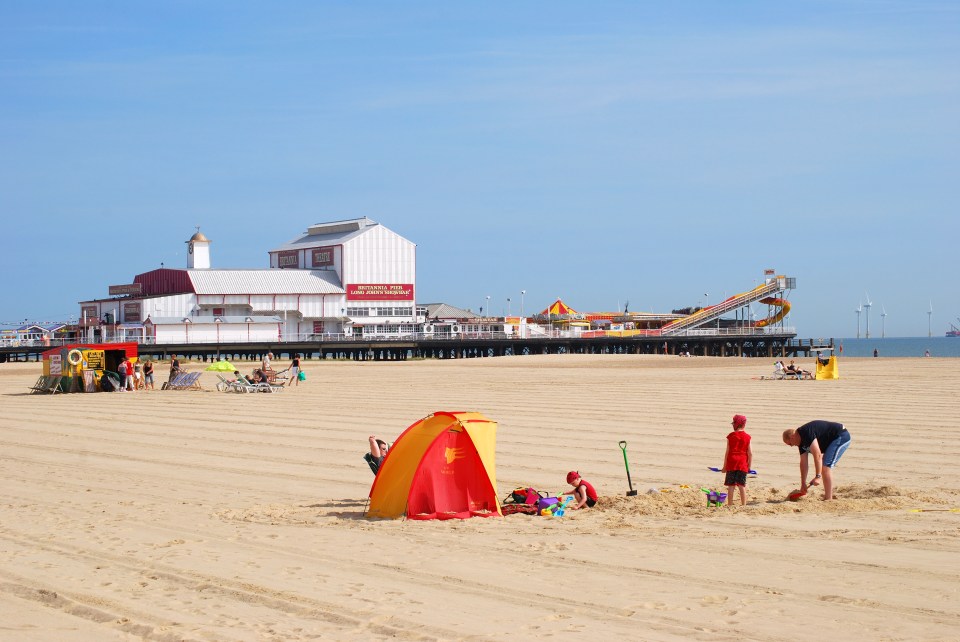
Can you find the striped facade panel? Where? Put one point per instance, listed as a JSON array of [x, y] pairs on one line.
[[313, 306], [379, 256], [262, 303], [178, 305], [286, 302]]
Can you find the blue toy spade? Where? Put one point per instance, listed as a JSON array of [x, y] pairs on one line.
[[623, 447], [562, 508]]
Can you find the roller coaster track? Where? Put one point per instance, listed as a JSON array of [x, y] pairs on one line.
[[763, 293]]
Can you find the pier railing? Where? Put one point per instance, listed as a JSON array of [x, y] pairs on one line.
[[541, 335]]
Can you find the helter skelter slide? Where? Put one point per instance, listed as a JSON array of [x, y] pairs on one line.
[[784, 306], [765, 293]]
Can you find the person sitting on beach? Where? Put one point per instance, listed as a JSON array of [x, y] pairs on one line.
[[584, 493], [378, 452], [826, 441]]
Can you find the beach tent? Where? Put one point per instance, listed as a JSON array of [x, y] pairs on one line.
[[441, 467], [559, 309]]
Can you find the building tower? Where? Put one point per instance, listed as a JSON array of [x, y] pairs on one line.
[[198, 251]]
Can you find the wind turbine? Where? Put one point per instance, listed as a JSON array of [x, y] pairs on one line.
[[867, 306], [858, 311], [929, 319], [883, 322]]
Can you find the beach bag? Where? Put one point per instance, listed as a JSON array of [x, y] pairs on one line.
[[524, 495], [301, 376], [547, 502]]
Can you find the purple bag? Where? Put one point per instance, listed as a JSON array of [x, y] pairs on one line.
[[547, 502]]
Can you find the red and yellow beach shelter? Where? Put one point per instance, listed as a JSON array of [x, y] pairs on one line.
[[441, 467]]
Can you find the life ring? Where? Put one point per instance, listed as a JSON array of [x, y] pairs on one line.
[[74, 357]]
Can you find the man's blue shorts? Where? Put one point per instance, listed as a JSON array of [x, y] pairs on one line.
[[836, 448]]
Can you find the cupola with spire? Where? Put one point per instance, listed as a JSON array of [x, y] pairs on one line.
[[198, 251]]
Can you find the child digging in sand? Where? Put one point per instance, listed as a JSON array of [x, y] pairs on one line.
[[583, 491], [737, 460]]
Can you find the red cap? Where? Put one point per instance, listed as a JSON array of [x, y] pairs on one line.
[[739, 421], [572, 475]]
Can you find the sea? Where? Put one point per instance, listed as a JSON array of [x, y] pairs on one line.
[[900, 346]]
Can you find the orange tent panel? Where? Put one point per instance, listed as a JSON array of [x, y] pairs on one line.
[[441, 467]]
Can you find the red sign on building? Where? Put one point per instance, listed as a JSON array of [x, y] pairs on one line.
[[288, 259], [380, 292], [321, 257]]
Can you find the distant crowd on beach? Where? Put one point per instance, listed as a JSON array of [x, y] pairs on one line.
[[135, 374]]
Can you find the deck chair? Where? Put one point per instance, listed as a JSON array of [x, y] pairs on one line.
[[49, 384], [173, 383], [188, 381], [245, 386], [232, 386], [40, 386], [779, 373]]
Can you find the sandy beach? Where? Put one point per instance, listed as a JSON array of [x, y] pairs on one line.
[[208, 516]]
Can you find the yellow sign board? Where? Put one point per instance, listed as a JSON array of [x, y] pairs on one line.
[[94, 359]]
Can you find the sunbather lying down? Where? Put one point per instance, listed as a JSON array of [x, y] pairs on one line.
[[795, 370], [378, 452]]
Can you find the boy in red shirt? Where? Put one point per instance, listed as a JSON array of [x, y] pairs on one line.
[[737, 460], [584, 492]]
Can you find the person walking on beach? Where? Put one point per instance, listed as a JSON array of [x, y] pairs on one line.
[[148, 375], [826, 441], [584, 493], [174, 367], [294, 371], [737, 460], [265, 362], [137, 375], [122, 371]]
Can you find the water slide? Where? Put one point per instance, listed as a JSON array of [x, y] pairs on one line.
[[763, 293], [784, 306]]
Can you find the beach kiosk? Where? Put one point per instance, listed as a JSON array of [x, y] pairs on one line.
[[81, 366]]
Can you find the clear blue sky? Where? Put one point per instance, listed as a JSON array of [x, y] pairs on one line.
[[647, 152]]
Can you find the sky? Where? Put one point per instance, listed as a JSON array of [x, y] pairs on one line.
[[650, 154]]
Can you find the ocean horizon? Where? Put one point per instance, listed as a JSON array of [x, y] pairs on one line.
[[900, 346]]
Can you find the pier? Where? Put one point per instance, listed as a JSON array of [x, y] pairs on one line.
[[463, 347]]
